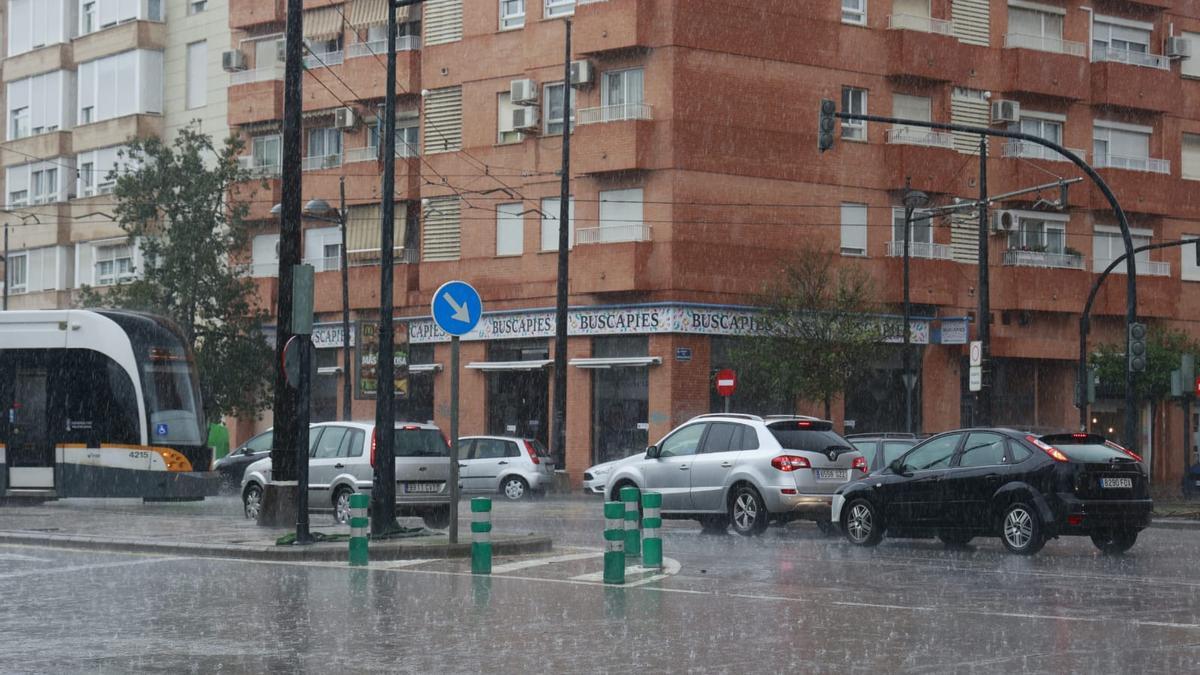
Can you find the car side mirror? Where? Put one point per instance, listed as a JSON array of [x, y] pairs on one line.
[[897, 467], [652, 452]]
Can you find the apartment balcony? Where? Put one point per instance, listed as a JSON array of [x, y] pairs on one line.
[[314, 60], [925, 49], [1045, 66], [1065, 261], [1149, 268], [612, 25], [52, 144], [371, 153], [611, 259], [260, 195], [115, 131], [609, 234], [258, 270], [41, 60], [1141, 185], [1027, 150], [255, 96], [920, 249], [246, 14], [919, 136], [377, 49], [612, 138], [120, 38], [1138, 82], [321, 162], [926, 156], [359, 68], [1144, 164]]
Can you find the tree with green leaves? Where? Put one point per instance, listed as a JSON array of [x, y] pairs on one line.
[[172, 199], [819, 332], [1163, 351]]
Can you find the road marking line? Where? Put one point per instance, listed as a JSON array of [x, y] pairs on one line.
[[17, 556], [393, 564], [525, 564], [84, 568], [669, 568]]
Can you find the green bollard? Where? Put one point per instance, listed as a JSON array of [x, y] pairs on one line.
[[614, 543], [358, 529], [481, 535], [652, 557], [633, 530]]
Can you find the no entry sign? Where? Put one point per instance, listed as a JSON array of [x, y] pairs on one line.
[[726, 382]]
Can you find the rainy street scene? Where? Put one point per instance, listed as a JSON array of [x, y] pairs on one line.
[[512, 336]]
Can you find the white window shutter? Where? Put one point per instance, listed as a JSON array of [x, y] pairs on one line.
[[85, 264], [442, 21], [443, 120], [441, 229]]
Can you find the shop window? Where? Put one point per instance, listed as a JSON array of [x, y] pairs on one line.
[[620, 399], [518, 400]]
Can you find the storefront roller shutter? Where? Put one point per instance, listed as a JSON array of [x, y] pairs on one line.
[[964, 237], [443, 120], [363, 233], [968, 106], [443, 21], [972, 21], [441, 229]]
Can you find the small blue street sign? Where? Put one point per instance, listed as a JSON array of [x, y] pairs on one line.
[[683, 354], [160, 430], [456, 307]]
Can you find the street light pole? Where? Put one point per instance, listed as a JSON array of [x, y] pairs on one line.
[[559, 444], [913, 199], [6, 272], [347, 369]]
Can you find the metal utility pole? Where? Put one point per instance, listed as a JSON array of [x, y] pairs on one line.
[[983, 399], [913, 199], [348, 369], [7, 274], [279, 497], [559, 445]]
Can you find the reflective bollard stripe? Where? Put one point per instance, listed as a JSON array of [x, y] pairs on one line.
[[359, 523], [481, 535], [614, 543], [633, 535], [651, 528]]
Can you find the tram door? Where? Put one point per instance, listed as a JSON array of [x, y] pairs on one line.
[[28, 442]]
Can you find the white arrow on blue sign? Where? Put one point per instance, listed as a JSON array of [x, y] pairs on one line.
[[456, 307]]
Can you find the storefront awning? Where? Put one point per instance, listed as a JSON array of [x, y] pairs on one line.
[[495, 366], [618, 362], [424, 367]]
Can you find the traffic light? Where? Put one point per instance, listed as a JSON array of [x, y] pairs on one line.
[[1137, 347], [825, 125]]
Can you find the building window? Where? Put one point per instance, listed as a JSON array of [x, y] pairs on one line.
[[1188, 266], [1191, 156], [18, 197], [264, 251], [32, 24], [1039, 236], [559, 8], [114, 264], [197, 6], [20, 123], [854, 101], [854, 11], [87, 18], [407, 138], [122, 84], [18, 273], [553, 107], [87, 114], [266, 151], [510, 229], [45, 186], [1048, 127], [97, 170], [1108, 245], [197, 75], [324, 147], [551, 211], [1118, 37], [621, 217], [920, 230], [1190, 67], [1033, 29], [87, 179], [621, 94], [1122, 146], [512, 13], [620, 399], [854, 229], [505, 133]]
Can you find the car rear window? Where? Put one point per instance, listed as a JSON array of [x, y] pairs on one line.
[[1089, 452], [792, 438], [421, 443]]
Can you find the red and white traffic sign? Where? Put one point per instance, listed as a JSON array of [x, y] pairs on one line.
[[726, 382], [1197, 387]]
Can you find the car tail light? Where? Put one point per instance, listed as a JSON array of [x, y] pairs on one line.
[[410, 427], [1075, 521], [788, 491], [790, 463], [860, 463], [1048, 449], [1131, 453], [532, 453], [374, 442], [803, 424]]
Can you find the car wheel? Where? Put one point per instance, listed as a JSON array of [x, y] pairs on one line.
[[827, 527], [747, 512], [341, 505], [862, 524], [955, 539], [1021, 530], [1115, 542], [514, 488], [438, 519], [252, 501], [714, 524]]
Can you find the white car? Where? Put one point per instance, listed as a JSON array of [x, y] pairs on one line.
[[514, 467]]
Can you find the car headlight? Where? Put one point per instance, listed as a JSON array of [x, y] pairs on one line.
[[604, 471]]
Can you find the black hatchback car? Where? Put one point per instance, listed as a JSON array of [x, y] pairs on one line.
[[1000, 482]]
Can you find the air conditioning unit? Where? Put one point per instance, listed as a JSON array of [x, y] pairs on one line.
[[525, 119], [583, 74], [1004, 221], [1006, 111], [344, 118], [233, 60], [1178, 48], [523, 92]]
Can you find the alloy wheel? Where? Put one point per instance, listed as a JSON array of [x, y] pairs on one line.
[[341, 508], [860, 524], [253, 503], [1018, 528], [514, 489], [745, 511]]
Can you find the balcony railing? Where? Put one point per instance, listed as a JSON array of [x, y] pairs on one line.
[[259, 170], [919, 136], [270, 269], [1067, 261], [323, 59], [1150, 268], [608, 234], [1030, 150], [256, 75], [1044, 43], [614, 113], [371, 256], [1133, 163], [371, 154], [404, 43], [324, 264], [919, 249], [923, 24], [321, 162], [1130, 57]]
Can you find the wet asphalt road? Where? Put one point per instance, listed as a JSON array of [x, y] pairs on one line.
[[789, 601]]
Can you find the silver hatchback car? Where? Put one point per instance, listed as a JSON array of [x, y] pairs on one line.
[[744, 471], [514, 467]]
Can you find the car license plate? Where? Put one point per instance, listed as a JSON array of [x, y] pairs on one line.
[[1126, 483], [830, 474], [415, 488]]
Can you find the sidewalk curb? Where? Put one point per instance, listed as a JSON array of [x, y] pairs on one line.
[[1175, 523], [324, 552]]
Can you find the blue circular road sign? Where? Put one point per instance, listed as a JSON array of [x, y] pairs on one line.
[[456, 307]]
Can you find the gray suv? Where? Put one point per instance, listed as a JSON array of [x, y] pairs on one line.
[[744, 470], [341, 459]]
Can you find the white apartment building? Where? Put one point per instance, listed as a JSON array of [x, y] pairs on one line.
[[80, 78]]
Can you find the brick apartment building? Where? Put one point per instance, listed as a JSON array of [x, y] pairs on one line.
[[694, 174]]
